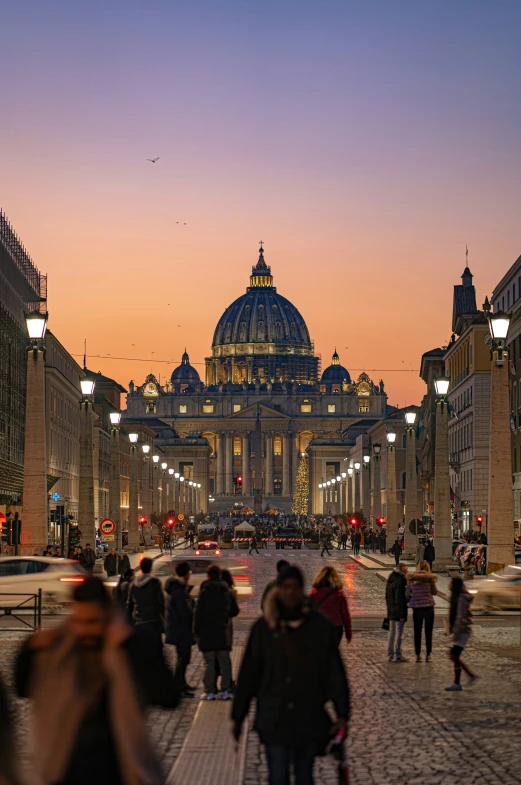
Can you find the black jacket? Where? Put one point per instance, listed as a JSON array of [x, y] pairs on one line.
[[396, 549], [216, 604], [395, 596], [179, 613], [123, 564], [146, 601], [292, 674], [111, 564], [87, 558], [429, 553]]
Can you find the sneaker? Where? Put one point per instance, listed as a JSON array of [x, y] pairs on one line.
[[208, 696], [454, 688], [473, 678], [401, 658], [428, 658], [390, 658], [418, 658], [225, 695]]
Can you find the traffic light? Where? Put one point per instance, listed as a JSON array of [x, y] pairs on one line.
[[16, 530], [479, 519], [354, 521], [170, 523], [380, 521], [6, 531], [142, 520]]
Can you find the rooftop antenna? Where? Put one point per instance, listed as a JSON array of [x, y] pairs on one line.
[[85, 355], [466, 256]]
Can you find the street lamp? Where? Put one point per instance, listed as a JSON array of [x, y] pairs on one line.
[[392, 511], [500, 517], [115, 476], [441, 385], [357, 485], [411, 485], [146, 449], [86, 508], [442, 509], [35, 448]]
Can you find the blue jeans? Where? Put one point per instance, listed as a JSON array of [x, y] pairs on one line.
[[280, 760], [394, 648]]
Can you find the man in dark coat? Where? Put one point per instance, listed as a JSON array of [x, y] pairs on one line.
[[88, 559], [396, 611], [215, 606], [180, 622], [101, 677], [429, 554], [111, 563], [292, 668], [146, 606], [396, 551]]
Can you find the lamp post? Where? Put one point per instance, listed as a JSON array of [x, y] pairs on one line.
[[357, 486], [338, 495], [86, 517], [350, 473], [328, 496], [377, 493], [182, 505], [392, 510], [177, 493], [333, 495], [171, 487], [145, 489], [164, 467], [366, 488], [442, 512], [344, 486], [133, 525], [500, 517], [155, 490], [411, 485], [198, 497], [115, 477], [34, 534]]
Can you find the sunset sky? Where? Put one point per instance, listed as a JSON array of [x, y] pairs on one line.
[[365, 142]]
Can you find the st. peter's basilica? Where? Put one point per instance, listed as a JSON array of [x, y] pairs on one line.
[[241, 432]]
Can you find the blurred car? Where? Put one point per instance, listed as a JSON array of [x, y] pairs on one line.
[[165, 568], [26, 574], [498, 591], [207, 547]]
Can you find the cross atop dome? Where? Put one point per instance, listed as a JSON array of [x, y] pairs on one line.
[[261, 276]]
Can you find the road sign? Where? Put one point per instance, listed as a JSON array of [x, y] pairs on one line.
[[107, 538], [55, 496], [180, 517], [107, 526], [339, 520], [416, 527]]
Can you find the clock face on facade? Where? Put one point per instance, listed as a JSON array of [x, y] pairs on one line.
[[151, 389], [364, 389]]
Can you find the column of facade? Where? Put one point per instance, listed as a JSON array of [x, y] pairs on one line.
[[295, 459], [286, 447], [268, 487], [219, 479], [34, 529], [442, 511], [392, 507], [411, 492], [246, 463], [366, 490], [349, 487], [376, 507], [357, 478], [229, 464]]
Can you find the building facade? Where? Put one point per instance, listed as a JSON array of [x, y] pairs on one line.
[[263, 403]]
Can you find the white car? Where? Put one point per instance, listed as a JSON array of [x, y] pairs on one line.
[[207, 547], [498, 591], [24, 575], [165, 568]]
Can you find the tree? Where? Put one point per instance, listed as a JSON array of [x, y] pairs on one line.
[[301, 497]]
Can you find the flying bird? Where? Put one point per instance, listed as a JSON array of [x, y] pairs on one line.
[[154, 160], [132, 344]]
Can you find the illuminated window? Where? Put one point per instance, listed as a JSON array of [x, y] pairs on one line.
[[151, 407], [363, 407], [331, 408], [236, 407], [277, 445], [305, 408], [182, 409], [208, 408], [237, 445]]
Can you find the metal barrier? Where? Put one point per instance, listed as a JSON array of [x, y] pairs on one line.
[[32, 603]]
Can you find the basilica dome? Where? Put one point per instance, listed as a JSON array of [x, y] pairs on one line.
[[335, 373], [185, 373], [262, 317]]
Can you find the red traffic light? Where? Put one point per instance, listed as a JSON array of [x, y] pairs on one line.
[[239, 480], [170, 522], [142, 520], [354, 521], [381, 521], [479, 519]]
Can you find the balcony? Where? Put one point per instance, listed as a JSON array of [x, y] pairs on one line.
[[454, 458]]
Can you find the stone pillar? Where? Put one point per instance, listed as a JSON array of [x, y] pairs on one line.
[[377, 493], [295, 460], [411, 492], [34, 514], [366, 490], [286, 447], [133, 527], [357, 490], [246, 463], [229, 464], [115, 485], [268, 488], [86, 522], [349, 486], [219, 485], [500, 507], [442, 511], [392, 507]]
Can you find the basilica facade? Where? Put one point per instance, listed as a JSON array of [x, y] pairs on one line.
[[263, 406]]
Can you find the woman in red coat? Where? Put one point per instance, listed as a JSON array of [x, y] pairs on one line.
[[328, 596]]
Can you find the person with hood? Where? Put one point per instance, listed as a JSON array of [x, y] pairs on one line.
[[292, 668], [460, 624], [328, 596], [396, 612], [90, 681], [215, 606], [180, 622], [396, 551], [420, 592], [146, 606], [281, 564], [429, 553]]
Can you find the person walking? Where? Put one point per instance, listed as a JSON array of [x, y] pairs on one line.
[[88, 559], [328, 596], [123, 563], [215, 606], [460, 625], [253, 545], [396, 602], [292, 668], [146, 606], [121, 591], [430, 553], [343, 539], [420, 552], [357, 539], [281, 565], [111, 563], [180, 622], [396, 551], [326, 542], [90, 681], [420, 592]]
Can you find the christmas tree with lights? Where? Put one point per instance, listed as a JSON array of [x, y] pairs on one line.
[[300, 499]]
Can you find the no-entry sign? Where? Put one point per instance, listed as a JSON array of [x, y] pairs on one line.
[[107, 526]]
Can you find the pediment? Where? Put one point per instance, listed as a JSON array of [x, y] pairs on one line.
[[264, 412]]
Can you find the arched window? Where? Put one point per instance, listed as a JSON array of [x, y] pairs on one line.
[[260, 331], [237, 445], [277, 446]]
